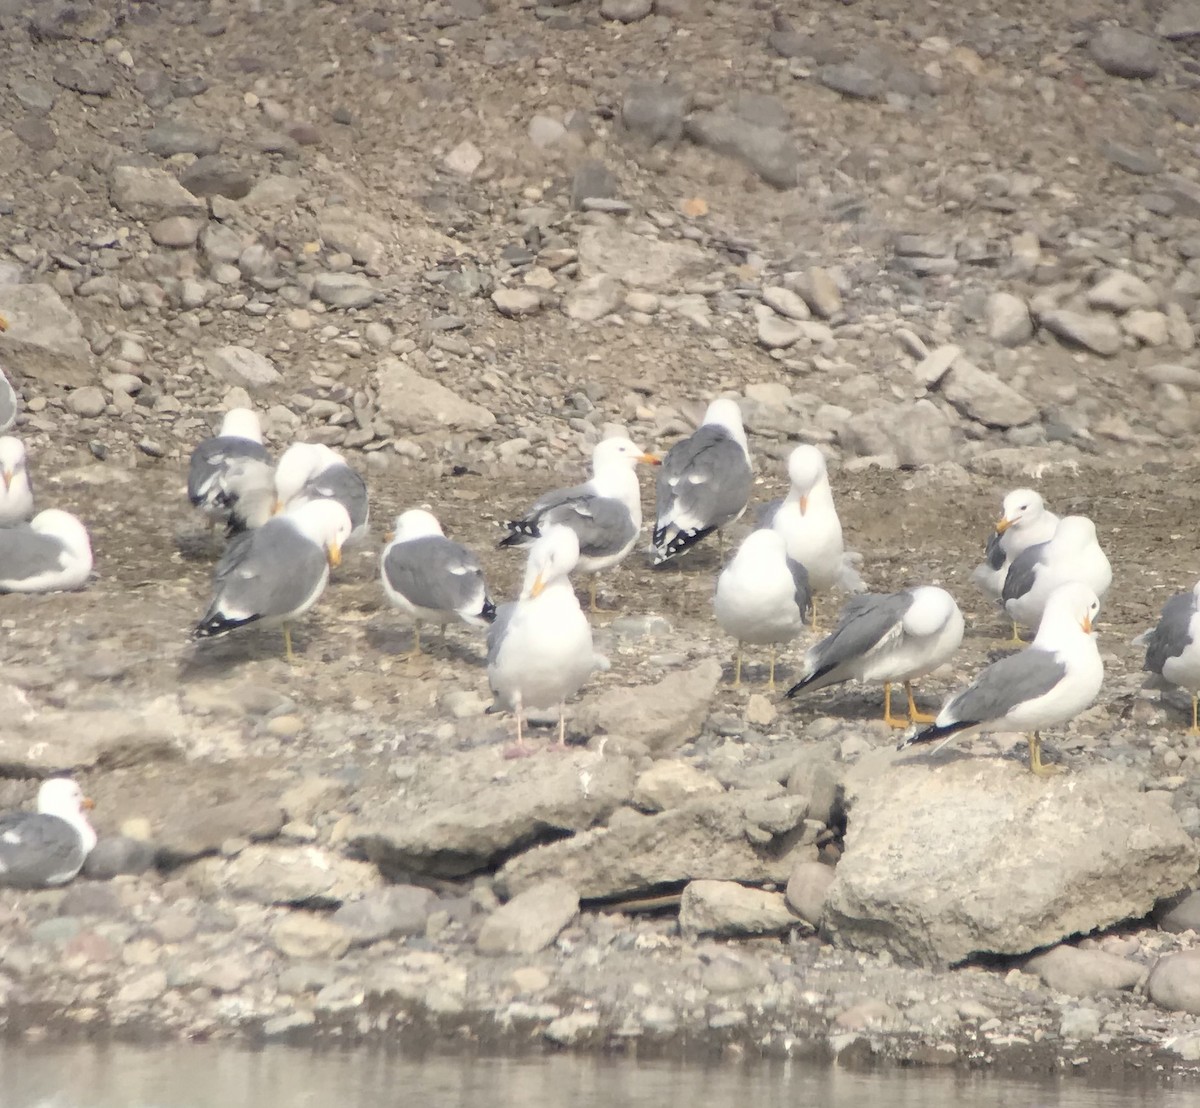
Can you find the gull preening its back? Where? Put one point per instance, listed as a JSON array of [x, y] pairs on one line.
[[432, 579], [605, 512], [273, 575], [1024, 521], [1073, 554], [704, 484], [16, 488], [229, 475], [311, 471], [540, 646], [762, 597], [1050, 682], [894, 638], [1173, 647], [48, 847], [51, 553]]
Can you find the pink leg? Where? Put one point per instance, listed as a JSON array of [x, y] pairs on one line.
[[518, 749]]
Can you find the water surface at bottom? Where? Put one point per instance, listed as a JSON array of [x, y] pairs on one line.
[[213, 1076]]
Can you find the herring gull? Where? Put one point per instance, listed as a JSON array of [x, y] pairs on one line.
[[605, 513], [48, 847], [539, 649], [704, 484], [311, 471], [1024, 521], [1050, 682], [1073, 554], [762, 597], [273, 575], [51, 553], [229, 475], [432, 579], [895, 638], [1173, 647], [16, 493], [10, 401]]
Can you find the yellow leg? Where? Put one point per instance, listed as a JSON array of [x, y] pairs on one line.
[[287, 645], [416, 646], [1195, 729], [737, 667], [592, 594], [914, 714], [771, 678], [1036, 765], [442, 636], [1016, 639], [813, 621], [888, 718]]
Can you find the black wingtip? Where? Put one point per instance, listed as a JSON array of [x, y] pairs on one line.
[[804, 682], [932, 733], [217, 625], [680, 543], [489, 611], [520, 532]]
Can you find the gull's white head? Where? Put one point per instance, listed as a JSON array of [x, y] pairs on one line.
[[1074, 532], [12, 460], [806, 470], [326, 523], [726, 413], [298, 464], [68, 529], [551, 558], [932, 609], [1071, 604], [620, 451], [62, 797], [416, 523], [241, 423], [1020, 508]]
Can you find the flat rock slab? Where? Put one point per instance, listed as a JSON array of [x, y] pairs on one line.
[[637, 260], [719, 838], [464, 812], [301, 875], [65, 742], [44, 341], [948, 859], [417, 404], [725, 908], [530, 921]]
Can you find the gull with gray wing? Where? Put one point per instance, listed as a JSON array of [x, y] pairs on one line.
[[895, 638], [704, 484], [311, 471], [272, 576], [605, 513], [42, 849], [432, 579], [51, 553], [10, 400], [1024, 521], [229, 475], [1173, 648], [1050, 682]]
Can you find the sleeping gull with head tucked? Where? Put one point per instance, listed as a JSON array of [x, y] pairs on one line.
[[1050, 682], [704, 484], [1173, 647], [1073, 554], [432, 579], [51, 553], [605, 513], [48, 847], [540, 646], [894, 638], [16, 488], [762, 597], [311, 471], [272, 576]]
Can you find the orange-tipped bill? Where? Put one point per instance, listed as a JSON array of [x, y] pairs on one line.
[[6, 476], [803, 504], [650, 459], [539, 583], [1087, 625], [335, 556], [87, 804], [1002, 525]]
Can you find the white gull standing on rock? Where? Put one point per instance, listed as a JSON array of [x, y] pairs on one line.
[[1054, 679], [432, 579], [540, 646], [704, 484], [10, 402], [1073, 554], [1173, 647], [808, 521], [311, 471], [16, 488], [894, 638], [1024, 521], [51, 553], [229, 475], [48, 847], [272, 576], [762, 597], [605, 513]]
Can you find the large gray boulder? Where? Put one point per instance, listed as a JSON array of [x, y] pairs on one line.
[[44, 341], [463, 812], [752, 835], [946, 859]]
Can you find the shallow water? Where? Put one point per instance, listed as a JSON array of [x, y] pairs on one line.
[[119, 1076]]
